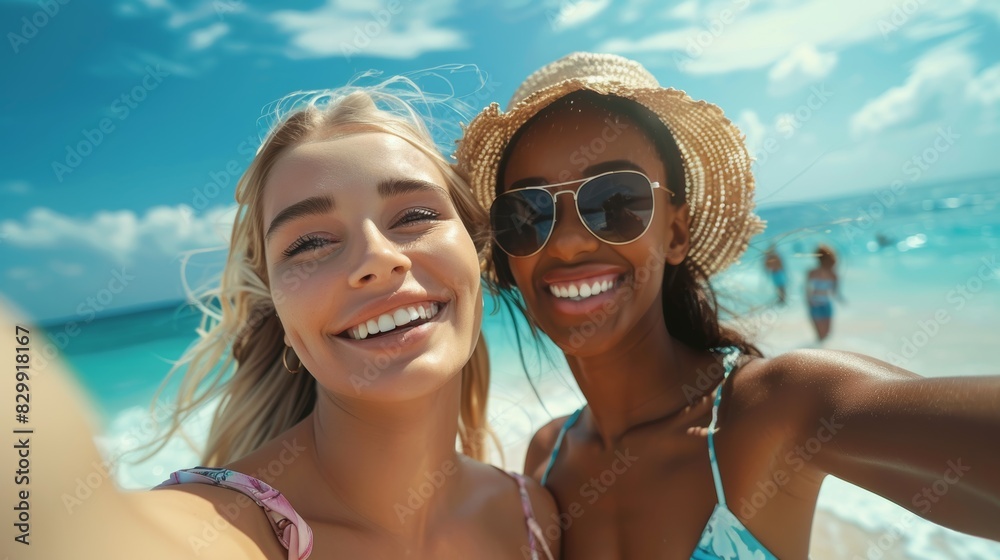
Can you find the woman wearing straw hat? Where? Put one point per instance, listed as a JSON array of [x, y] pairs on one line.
[[613, 202], [346, 354]]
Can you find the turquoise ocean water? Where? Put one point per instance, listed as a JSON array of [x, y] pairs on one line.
[[906, 259]]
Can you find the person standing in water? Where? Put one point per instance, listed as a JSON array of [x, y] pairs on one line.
[[776, 268], [822, 285]]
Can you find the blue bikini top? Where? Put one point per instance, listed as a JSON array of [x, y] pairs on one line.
[[724, 537]]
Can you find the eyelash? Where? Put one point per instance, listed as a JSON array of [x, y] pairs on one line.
[[419, 214], [303, 243], [411, 216]]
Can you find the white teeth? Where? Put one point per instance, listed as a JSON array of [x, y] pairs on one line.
[[401, 317], [389, 321], [581, 290]]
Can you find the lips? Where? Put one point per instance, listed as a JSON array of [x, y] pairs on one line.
[[408, 315]]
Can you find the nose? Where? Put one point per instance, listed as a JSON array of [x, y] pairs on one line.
[[570, 238], [380, 259]]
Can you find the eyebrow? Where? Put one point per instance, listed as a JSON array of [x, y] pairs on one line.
[[312, 206], [388, 188], [596, 169], [322, 204]]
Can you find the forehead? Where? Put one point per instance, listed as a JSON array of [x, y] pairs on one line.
[[560, 144], [350, 165]]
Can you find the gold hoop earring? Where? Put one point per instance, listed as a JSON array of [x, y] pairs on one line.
[[284, 360]]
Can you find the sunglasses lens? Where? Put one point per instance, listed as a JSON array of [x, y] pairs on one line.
[[522, 221], [617, 207]]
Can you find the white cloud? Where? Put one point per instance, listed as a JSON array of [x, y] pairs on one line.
[[937, 75], [985, 88], [71, 270], [177, 17], [754, 129], [122, 234], [207, 36], [15, 187], [337, 28], [574, 13], [687, 10], [803, 65], [720, 37]]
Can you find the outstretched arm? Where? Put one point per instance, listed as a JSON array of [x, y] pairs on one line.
[[64, 499], [927, 444]]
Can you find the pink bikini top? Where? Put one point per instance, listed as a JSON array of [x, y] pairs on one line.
[[292, 530]]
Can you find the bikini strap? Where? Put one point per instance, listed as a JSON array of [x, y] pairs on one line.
[[536, 537], [730, 355], [562, 433], [292, 531]]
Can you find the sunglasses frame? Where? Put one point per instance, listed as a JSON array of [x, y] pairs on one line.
[[653, 185]]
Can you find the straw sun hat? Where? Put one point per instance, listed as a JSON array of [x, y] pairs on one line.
[[719, 184]]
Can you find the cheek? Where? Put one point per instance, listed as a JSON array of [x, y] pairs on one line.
[[521, 269]]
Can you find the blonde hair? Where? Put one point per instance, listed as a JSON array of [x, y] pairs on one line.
[[238, 356]]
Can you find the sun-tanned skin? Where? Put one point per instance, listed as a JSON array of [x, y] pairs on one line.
[[784, 424], [361, 452]]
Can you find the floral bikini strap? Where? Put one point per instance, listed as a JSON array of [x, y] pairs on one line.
[[535, 535]]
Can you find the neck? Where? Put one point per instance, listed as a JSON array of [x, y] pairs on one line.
[[393, 465], [643, 378]]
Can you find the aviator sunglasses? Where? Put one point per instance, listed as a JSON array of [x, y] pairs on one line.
[[617, 207]]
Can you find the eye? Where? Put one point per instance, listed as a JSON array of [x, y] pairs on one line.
[[306, 243], [416, 215]]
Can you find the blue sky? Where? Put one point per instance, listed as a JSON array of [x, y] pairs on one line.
[[122, 118]]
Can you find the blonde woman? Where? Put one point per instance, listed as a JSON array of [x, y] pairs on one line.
[[348, 359]]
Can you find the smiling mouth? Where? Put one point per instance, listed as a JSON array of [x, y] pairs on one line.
[[406, 316], [580, 290]]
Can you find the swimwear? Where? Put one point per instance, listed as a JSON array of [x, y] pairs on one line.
[[820, 291], [779, 278], [724, 537], [293, 532]]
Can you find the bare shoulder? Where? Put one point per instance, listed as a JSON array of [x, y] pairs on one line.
[[546, 514], [541, 446], [214, 522], [807, 382]]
